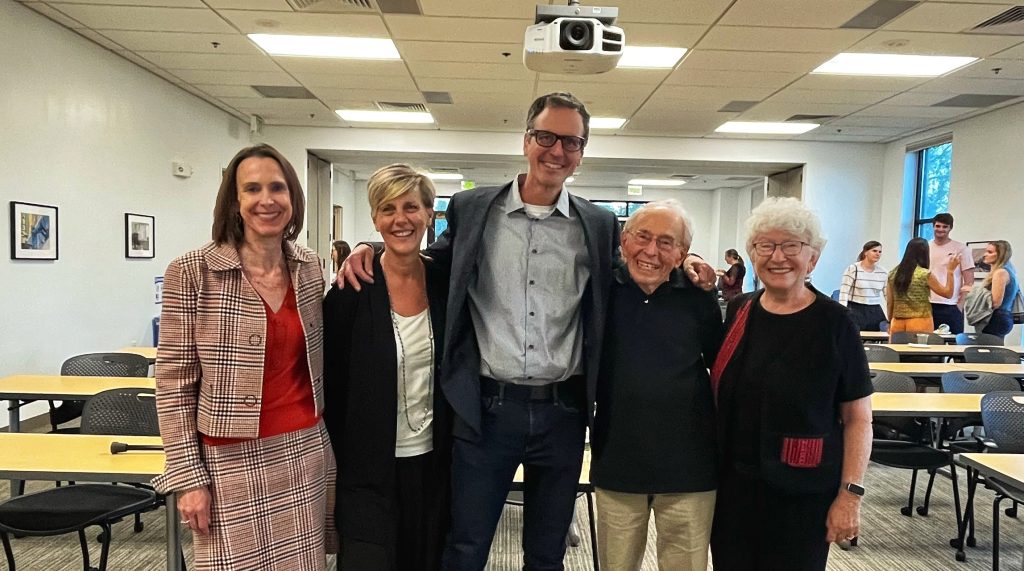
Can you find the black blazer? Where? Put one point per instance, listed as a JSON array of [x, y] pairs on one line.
[[458, 249], [361, 410]]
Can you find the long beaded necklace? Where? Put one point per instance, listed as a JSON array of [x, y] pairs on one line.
[[430, 378]]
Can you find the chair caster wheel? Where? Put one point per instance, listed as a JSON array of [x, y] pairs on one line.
[[923, 511], [139, 526], [961, 556], [955, 543], [1012, 512], [971, 542], [906, 511], [101, 537]]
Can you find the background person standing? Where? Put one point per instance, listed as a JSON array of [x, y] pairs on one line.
[[942, 249]]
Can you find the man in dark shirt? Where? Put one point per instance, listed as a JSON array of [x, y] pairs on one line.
[[654, 435]]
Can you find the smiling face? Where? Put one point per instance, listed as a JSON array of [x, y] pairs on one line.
[[779, 272], [653, 246], [550, 166], [263, 198], [402, 222]]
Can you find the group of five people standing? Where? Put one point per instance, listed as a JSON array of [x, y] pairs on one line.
[[438, 373]]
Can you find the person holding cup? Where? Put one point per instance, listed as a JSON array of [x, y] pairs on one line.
[[910, 285]]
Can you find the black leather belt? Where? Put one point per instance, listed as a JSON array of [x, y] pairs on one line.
[[567, 390]]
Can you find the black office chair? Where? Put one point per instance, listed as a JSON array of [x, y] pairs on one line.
[[991, 355], [879, 354], [1002, 413], [906, 442], [94, 365], [58, 511], [978, 339], [911, 337]]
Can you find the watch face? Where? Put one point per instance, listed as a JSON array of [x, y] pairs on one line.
[[855, 489]]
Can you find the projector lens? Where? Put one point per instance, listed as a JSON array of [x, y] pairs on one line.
[[576, 35]]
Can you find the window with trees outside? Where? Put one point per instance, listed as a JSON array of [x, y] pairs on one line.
[[934, 166]]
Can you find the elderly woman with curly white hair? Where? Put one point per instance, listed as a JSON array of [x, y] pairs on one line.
[[794, 416]]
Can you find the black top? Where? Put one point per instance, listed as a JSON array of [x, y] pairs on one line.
[[736, 272], [654, 429], [784, 384]]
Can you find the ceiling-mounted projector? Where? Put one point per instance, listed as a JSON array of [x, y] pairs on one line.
[[574, 40]]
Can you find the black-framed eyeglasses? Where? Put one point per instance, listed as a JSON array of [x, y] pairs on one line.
[[570, 143], [789, 248], [644, 238]]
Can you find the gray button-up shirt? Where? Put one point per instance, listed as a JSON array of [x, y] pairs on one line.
[[526, 301]]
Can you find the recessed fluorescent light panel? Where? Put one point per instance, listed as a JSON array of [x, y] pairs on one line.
[[650, 57], [893, 65], [443, 175], [657, 182], [362, 116], [606, 122], [765, 128], [326, 46]]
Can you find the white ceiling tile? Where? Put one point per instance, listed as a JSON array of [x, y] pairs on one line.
[[886, 110], [753, 61], [713, 77], [515, 9], [341, 81], [296, 120], [270, 5], [268, 105], [864, 119], [100, 39], [956, 85], [704, 98], [941, 17], [985, 69], [783, 110], [597, 91], [480, 117], [235, 77], [55, 15], [226, 62], [333, 96], [834, 137], [665, 35], [458, 52], [470, 70], [670, 11], [514, 88], [228, 43], [243, 91], [780, 39], [825, 14], [648, 77], [145, 18], [845, 96], [675, 121], [151, 3], [933, 43], [916, 98], [483, 30], [357, 25], [857, 83], [1016, 52], [382, 68]]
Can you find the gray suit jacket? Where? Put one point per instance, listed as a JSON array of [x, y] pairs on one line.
[[459, 249]]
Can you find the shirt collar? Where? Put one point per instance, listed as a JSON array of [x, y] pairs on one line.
[[225, 256], [514, 201]]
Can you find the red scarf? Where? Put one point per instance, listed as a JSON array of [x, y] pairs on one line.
[[729, 345]]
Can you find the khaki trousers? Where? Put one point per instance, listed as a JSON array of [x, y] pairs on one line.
[[683, 523]]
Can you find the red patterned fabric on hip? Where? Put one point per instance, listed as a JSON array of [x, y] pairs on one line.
[[802, 452]]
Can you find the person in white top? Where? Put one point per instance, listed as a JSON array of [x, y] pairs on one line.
[[863, 288], [949, 310]]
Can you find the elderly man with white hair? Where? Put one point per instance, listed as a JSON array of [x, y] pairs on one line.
[[654, 435]]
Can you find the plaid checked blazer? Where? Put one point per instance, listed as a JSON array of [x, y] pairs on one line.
[[209, 363]]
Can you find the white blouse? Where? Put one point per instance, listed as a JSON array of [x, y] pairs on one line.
[[415, 349]]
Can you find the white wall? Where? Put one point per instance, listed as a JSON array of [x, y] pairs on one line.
[[94, 135], [343, 194], [986, 194]]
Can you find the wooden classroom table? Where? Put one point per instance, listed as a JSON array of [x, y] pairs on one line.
[[1008, 468], [87, 458], [935, 370], [936, 405], [586, 488], [147, 352], [956, 351], [883, 337]]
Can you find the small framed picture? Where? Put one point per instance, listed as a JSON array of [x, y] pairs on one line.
[[34, 231], [981, 269], [139, 236]]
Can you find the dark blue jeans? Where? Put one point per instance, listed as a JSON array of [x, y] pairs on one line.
[[999, 324], [948, 314], [546, 437]]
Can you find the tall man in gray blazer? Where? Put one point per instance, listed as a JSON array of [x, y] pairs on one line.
[[530, 276]]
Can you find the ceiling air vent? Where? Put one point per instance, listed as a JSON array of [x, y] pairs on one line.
[[397, 106], [751, 178], [878, 14], [283, 92], [974, 100], [737, 106], [1009, 23], [437, 97], [683, 176], [332, 6], [811, 117]]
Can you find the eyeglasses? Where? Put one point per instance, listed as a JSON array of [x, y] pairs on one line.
[[570, 143], [789, 248], [643, 238]]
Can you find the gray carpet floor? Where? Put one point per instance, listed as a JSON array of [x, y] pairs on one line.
[[889, 541]]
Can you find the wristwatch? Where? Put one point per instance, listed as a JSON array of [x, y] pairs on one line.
[[855, 489]]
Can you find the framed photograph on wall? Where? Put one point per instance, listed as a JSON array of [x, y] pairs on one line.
[[139, 236], [981, 269], [34, 231]]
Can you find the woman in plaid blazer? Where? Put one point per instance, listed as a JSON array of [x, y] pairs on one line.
[[239, 379]]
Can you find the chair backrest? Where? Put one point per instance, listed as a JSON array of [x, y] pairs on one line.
[[1002, 413], [911, 337], [978, 339], [835, 294], [991, 355], [889, 382], [124, 412], [977, 382], [106, 365], [879, 354]]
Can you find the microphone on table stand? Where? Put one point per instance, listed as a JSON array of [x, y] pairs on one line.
[[118, 447]]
